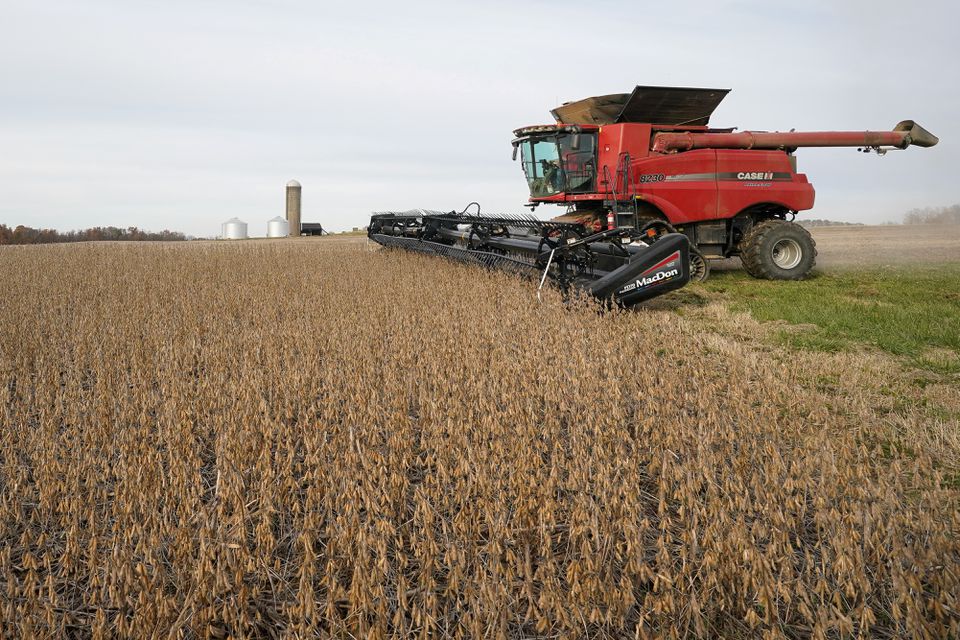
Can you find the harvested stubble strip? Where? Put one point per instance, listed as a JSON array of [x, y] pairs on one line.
[[242, 439]]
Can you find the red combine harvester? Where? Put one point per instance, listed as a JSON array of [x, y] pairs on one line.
[[652, 193], [626, 160]]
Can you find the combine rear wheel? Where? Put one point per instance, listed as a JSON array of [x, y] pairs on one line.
[[778, 250]]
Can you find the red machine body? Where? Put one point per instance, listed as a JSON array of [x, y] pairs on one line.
[[650, 155], [692, 186]]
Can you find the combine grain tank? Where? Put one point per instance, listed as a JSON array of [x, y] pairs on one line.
[[234, 229], [278, 228]]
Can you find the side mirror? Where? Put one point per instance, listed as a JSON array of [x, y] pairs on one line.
[[515, 151]]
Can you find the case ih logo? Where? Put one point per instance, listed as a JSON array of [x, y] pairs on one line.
[[754, 175]]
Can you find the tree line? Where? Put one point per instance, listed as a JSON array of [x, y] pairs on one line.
[[933, 215], [27, 235]]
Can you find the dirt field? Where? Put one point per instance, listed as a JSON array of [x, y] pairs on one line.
[[886, 245], [879, 246]]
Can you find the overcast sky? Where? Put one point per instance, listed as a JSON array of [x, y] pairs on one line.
[[180, 115]]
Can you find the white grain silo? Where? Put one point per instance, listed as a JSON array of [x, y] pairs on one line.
[[278, 228], [234, 229]]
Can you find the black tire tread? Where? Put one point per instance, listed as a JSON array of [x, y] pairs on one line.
[[706, 265], [756, 263]]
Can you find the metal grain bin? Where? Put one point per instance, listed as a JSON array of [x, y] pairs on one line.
[[277, 228], [234, 229]]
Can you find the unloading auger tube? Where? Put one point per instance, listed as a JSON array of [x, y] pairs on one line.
[[624, 266]]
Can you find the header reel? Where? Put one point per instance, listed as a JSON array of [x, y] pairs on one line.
[[624, 266]]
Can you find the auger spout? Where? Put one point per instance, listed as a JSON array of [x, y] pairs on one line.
[[905, 134]]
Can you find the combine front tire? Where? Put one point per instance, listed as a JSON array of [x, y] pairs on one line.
[[778, 250], [699, 267]]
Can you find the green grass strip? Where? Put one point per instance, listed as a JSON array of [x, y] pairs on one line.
[[908, 311]]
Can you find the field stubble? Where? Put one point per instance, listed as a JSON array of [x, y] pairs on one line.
[[305, 438]]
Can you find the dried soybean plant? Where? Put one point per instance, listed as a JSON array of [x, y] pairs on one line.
[[301, 439]]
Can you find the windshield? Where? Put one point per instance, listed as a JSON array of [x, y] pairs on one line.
[[559, 163]]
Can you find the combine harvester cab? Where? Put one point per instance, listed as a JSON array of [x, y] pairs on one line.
[[620, 266]]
